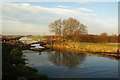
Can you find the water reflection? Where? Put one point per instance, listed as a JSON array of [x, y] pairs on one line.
[[63, 64], [67, 59]]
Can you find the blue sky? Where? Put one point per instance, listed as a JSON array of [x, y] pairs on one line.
[[34, 18], [102, 9]]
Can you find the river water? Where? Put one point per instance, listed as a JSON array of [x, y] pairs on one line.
[[63, 64]]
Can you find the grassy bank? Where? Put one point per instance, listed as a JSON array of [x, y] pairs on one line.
[[97, 49], [85, 47], [14, 65], [81, 46]]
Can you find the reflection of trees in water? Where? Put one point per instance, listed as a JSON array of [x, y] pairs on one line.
[[66, 58]]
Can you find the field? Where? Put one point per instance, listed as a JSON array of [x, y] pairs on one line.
[[36, 38]]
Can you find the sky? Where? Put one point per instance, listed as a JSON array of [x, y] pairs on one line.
[[33, 18]]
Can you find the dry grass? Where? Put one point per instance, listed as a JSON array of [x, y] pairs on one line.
[[91, 47]]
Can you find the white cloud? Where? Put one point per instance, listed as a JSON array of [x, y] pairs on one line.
[[25, 18], [34, 14], [62, 6], [85, 9], [16, 27]]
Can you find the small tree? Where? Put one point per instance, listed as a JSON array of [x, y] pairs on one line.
[[104, 34], [104, 37]]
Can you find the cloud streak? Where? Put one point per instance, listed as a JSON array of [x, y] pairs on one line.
[[62, 6], [85, 9]]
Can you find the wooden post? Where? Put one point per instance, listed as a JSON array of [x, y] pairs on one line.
[[117, 50]]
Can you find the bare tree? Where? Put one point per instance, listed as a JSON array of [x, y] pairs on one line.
[[104, 37], [68, 27], [73, 27], [56, 27]]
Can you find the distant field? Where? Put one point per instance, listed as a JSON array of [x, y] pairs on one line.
[[36, 38], [10, 36]]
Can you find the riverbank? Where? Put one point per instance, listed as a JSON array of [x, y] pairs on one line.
[[14, 65], [91, 47], [109, 49], [99, 48]]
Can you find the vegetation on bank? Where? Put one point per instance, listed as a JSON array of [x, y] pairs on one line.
[[97, 49], [13, 64], [61, 43], [92, 47]]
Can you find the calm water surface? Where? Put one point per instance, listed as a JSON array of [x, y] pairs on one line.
[[62, 64]]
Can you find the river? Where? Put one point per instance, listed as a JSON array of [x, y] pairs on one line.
[[63, 64]]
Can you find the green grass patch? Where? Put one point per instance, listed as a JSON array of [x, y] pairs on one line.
[[101, 44], [34, 38]]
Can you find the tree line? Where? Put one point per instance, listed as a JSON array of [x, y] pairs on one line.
[[88, 38], [97, 38], [73, 29]]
